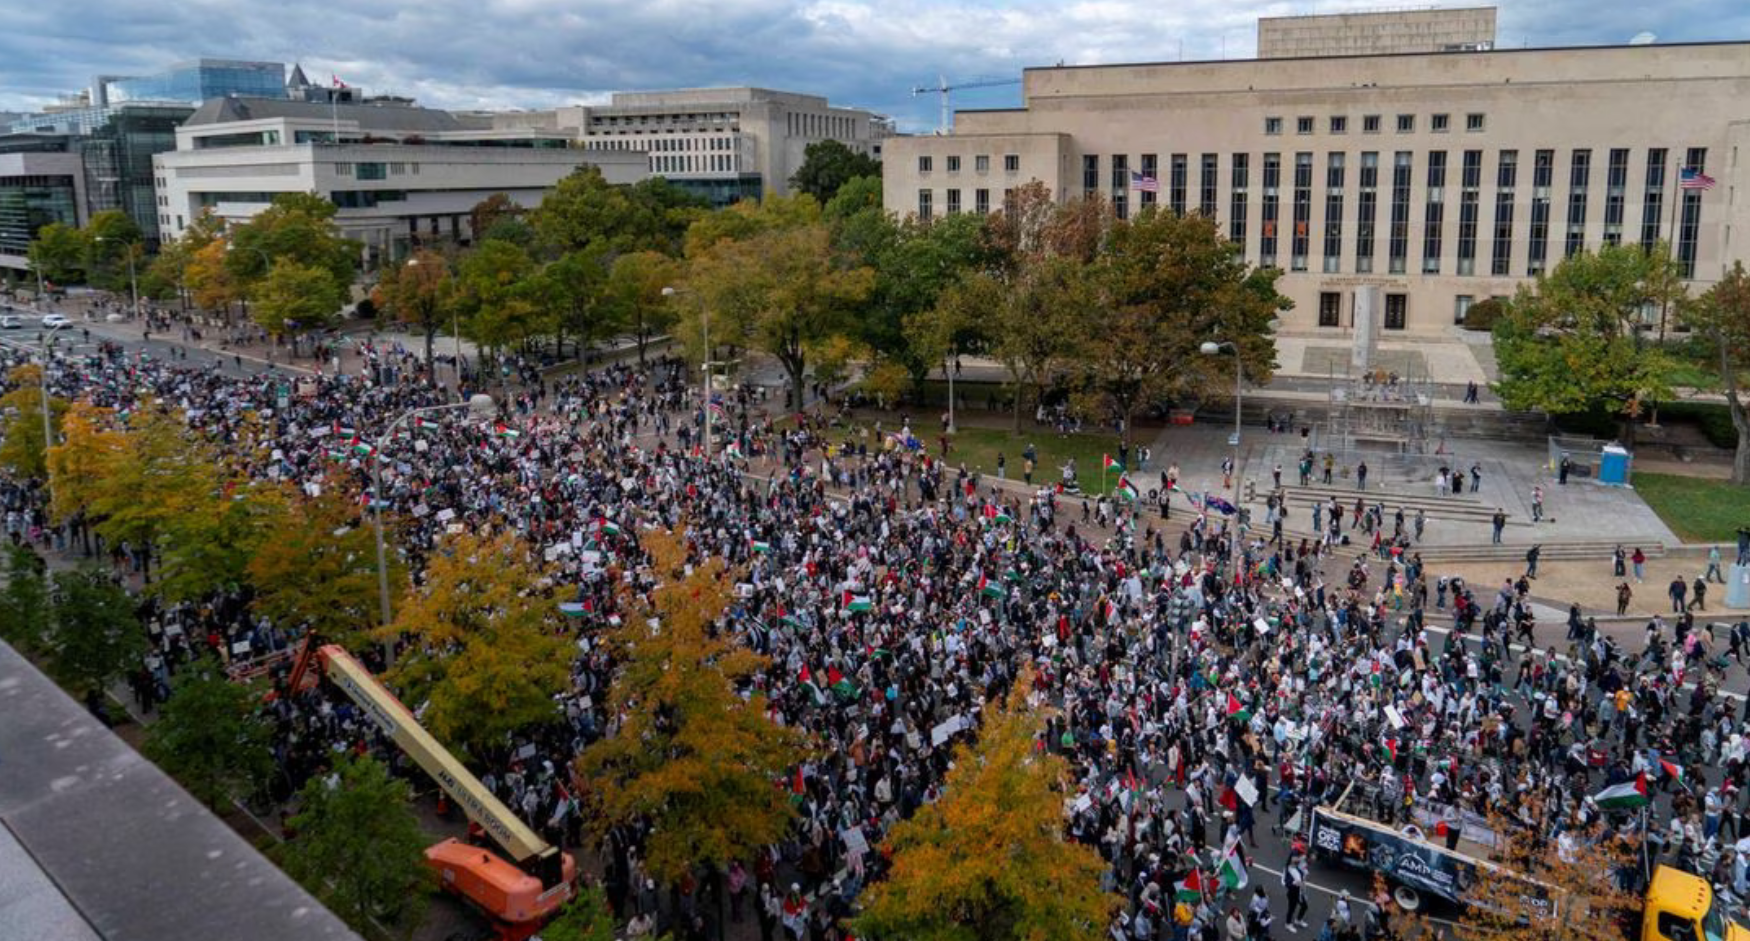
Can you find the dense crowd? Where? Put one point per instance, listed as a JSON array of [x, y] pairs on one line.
[[1193, 695]]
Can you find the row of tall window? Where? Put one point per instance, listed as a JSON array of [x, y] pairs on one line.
[[1438, 123], [1474, 248]]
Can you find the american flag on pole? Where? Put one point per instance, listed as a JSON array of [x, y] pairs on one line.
[[1146, 184], [1692, 179]]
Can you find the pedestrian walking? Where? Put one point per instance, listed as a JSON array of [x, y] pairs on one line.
[[1678, 590], [1639, 560], [1537, 504], [1713, 566], [1624, 594], [1531, 557]]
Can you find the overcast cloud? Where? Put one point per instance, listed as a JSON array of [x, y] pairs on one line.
[[864, 53]]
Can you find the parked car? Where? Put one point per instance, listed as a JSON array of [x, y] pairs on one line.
[[56, 321], [9, 322]]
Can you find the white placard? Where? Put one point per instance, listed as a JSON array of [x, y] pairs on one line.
[[1247, 791], [1396, 717], [855, 843], [445, 515], [420, 510]]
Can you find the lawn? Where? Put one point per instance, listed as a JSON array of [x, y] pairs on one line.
[[978, 448], [1697, 510]]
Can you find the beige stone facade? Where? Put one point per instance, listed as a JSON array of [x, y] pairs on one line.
[[1374, 34], [1443, 179]]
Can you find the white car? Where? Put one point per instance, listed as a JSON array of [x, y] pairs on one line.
[[9, 322], [56, 321]]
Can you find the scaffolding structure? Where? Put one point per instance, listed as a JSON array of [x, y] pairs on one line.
[[1382, 410]]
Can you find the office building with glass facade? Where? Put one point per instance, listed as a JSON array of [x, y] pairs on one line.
[[1435, 179], [195, 82], [42, 181]]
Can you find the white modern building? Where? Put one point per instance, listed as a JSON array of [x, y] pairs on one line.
[[399, 174], [1432, 180], [723, 144]]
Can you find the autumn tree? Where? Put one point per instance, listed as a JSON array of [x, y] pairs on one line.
[[210, 283], [1574, 340], [159, 472], [989, 860], [317, 566], [94, 634], [421, 292], [692, 757], [483, 651], [78, 463], [1029, 321], [782, 290], [359, 847], [210, 735], [634, 294], [1162, 285], [21, 422], [1723, 316], [828, 165]]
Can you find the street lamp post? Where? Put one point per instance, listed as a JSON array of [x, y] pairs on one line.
[[1213, 348], [47, 340], [481, 405], [949, 369]]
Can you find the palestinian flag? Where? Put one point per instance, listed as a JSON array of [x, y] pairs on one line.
[[991, 589], [996, 513], [1672, 769], [1390, 747], [361, 448], [732, 449], [1238, 710], [1132, 790], [608, 527], [1109, 465], [503, 430], [1232, 871], [1127, 490], [1192, 890], [1629, 795], [840, 684], [573, 609], [420, 424], [761, 547], [343, 431], [858, 603], [336, 454], [793, 622], [806, 678]]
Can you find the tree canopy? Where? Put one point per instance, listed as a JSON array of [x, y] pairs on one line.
[[828, 165], [359, 847], [1722, 315], [989, 860]]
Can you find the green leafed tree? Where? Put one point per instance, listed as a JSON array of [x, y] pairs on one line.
[[299, 227], [111, 239], [828, 165], [24, 599], [586, 917], [634, 295], [359, 847], [209, 547], [989, 860], [691, 757], [57, 254], [1575, 340], [96, 637], [296, 298], [1723, 316], [210, 735]]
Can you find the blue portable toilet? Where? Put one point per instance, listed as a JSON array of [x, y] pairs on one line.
[[1613, 465]]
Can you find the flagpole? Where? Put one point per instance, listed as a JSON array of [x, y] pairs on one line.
[[1671, 243]]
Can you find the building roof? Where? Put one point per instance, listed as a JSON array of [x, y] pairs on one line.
[[369, 117], [97, 844], [297, 79]]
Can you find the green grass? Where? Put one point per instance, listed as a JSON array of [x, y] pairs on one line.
[[1684, 375], [1697, 510], [978, 448]]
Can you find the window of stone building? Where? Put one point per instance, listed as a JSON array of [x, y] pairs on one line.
[[1406, 123], [1272, 126], [1303, 125], [1011, 163], [953, 164], [1397, 311], [1473, 122], [1339, 124], [981, 163], [1330, 309], [1370, 124]]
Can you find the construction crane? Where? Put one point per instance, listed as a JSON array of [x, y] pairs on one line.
[[520, 893], [943, 88]]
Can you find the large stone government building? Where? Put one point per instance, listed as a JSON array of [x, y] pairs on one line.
[[1439, 178]]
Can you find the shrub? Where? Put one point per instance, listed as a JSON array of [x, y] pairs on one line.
[[1482, 315]]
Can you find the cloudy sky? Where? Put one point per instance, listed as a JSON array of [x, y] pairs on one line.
[[865, 53]]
